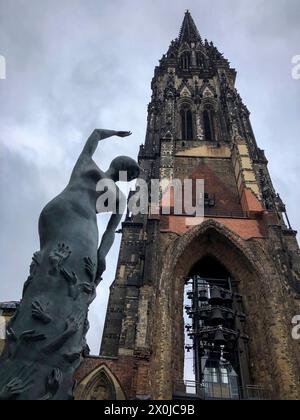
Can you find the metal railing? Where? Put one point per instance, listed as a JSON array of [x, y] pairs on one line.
[[232, 214], [218, 391], [210, 212]]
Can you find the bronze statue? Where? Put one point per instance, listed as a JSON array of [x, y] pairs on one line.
[[46, 338]]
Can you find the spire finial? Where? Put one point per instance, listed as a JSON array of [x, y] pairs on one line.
[[189, 32]]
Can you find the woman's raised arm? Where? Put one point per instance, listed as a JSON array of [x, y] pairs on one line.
[[98, 135]]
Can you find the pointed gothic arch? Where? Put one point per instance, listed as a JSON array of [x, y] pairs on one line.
[[100, 384], [186, 124], [209, 124], [209, 239], [186, 116], [185, 57], [188, 249], [206, 85], [209, 118], [185, 60], [200, 59]]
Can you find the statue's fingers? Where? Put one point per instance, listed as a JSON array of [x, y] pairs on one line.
[[11, 383], [16, 383]]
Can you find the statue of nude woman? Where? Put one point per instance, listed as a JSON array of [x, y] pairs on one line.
[[74, 210], [47, 335]]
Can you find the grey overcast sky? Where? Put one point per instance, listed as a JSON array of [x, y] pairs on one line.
[[74, 65]]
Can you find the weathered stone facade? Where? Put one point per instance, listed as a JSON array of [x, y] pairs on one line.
[[7, 311], [199, 128]]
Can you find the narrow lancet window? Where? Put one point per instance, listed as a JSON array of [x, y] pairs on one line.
[[187, 123], [185, 61], [208, 121]]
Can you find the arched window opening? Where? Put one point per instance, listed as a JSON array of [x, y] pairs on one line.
[[185, 61], [100, 385], [186, 124], [214, 333], [102, 388], [200, 60], [208, 122]]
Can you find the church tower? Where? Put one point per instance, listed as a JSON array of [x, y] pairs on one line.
[[203, 308]]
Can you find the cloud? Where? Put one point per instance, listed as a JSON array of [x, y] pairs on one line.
[[22, 196], [73, 65]]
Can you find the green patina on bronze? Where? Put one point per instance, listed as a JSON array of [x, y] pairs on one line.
[[46, 339]]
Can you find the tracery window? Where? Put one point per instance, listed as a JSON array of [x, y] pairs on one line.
[[185, 61]]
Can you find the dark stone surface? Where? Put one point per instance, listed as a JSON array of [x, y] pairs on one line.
[[46, 337]]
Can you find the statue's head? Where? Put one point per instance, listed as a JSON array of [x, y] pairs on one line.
[[124, 164]]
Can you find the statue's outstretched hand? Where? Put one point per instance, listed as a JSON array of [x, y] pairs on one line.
[[123, 133], [98, 135]]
